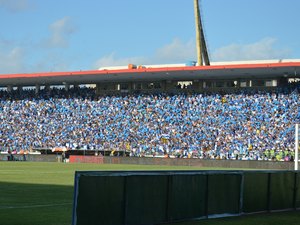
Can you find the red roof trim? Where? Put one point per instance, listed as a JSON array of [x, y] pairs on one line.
[[144, 70]]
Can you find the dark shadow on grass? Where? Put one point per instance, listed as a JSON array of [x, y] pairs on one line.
[[35, 204]]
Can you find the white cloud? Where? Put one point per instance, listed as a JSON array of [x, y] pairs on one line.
[[60, 32], [16, 5], [16, 58], [181, 52], [12, 60], [27, 57], [112, 60], [51, 62], [262, 49], [174, 52]]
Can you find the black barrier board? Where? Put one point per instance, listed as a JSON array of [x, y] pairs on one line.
[[146, 199], [282, 190], [156, 197], [187, 197], [224, 193], [255, 195], [98, 198], [297, 191]]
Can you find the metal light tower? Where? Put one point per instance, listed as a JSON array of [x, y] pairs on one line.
[[202, 55]]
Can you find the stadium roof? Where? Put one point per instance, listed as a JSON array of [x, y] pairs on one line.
[[229, 70]]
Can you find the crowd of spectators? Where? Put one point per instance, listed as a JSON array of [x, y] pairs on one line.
[[249, 124]]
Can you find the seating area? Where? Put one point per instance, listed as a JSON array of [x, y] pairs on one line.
[[248, 125]]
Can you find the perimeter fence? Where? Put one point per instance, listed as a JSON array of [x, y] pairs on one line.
[[154, 197]]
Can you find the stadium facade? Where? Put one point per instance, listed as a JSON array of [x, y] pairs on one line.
[[165, 78]]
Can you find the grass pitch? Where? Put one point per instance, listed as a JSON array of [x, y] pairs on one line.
[[42, 194]]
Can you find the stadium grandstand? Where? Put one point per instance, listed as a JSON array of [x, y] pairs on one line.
[[237, 110]]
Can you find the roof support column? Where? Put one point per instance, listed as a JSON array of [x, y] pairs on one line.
[[170, 85], [9, 88], [37, 89], [197, 85], [67, 87], [47, 88], [98, 88]]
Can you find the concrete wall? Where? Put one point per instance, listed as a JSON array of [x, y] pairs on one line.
[[237, 164], [201, 163], [33, 158]]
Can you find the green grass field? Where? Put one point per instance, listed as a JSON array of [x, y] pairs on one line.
[[42, 194]]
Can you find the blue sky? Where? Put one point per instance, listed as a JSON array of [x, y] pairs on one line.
[[69, 35]]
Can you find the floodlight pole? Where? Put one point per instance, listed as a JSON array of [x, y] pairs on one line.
[[202, 53], [198, 33], [296, 145]]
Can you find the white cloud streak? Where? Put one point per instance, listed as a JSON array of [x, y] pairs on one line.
[[181, 52], [15, 58], [21, 57], [174, 52], [16, 6], [112, 60], [12, 60], [60, 32], [260, 50]]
